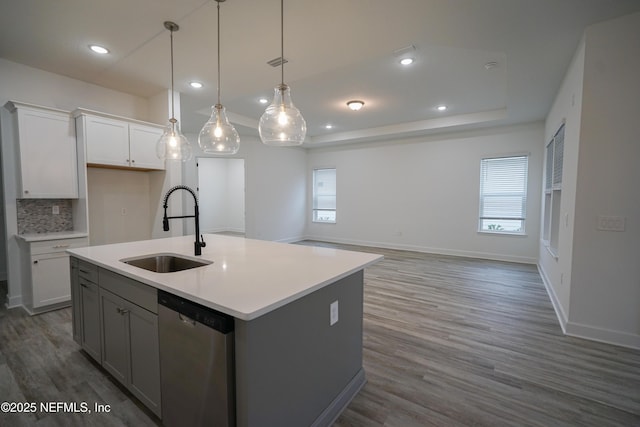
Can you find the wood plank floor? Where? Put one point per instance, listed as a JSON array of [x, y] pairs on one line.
[[447, 342]]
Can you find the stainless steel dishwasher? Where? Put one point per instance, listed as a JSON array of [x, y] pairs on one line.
[[196, 364]]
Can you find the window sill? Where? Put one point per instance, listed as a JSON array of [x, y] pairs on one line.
[[551, 251], [502, 233], [323, 222]]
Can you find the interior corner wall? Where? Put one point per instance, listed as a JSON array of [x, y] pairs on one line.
[[567, 109], [275, 188], [605, 284], [423, 194]]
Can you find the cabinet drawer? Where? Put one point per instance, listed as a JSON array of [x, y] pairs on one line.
[[138, 293], [88, 271], [53, 246]]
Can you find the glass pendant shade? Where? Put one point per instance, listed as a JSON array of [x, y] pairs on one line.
[[218, 136], [173, 145], [282, 125]]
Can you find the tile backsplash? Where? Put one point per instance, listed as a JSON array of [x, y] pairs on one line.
[[36, 216]]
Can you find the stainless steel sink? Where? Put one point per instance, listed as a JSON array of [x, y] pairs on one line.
[[165, 263]]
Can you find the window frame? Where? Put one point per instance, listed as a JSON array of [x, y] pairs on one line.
[[523, 195], [554, 167], [314, 202]]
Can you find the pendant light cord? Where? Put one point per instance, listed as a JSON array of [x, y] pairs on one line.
[[282, 39], [173, 114], [218, 53]]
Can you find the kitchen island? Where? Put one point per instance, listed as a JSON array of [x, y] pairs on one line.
[[297, 315]]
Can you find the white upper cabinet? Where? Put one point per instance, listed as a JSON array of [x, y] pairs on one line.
[[142, 146], [118, 142], [45, 142]]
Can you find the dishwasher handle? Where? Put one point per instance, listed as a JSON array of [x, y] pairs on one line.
[[196, 313]]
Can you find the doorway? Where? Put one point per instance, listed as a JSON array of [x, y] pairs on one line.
[[221, 195]]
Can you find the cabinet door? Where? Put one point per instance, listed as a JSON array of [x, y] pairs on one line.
[[47, 151], [145, 357], [91, 338], [115, 335], [50, 279], [76, 321], [142, 146], [107, 141]]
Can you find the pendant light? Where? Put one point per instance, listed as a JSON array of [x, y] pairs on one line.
[[218, 136], [282, 124], [173, 145]]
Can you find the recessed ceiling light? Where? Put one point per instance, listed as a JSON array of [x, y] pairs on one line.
[[263, 100], [99, 49], [406, 61], [355, 105], [196, 85], [441, 108], [328, 126]]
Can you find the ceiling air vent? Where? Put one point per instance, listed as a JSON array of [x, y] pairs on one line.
[[276, 62]]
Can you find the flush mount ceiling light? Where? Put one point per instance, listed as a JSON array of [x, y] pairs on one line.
[[218, 136], [441, 108], [282, 123], [173, 145], [196, 85], [355, 105], [328, 126], [263, 100], [406, 61], [98, 49]]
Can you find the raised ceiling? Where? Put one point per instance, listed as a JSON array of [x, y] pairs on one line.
[[337, 51]]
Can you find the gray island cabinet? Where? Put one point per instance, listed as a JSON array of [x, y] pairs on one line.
[[297, 318]]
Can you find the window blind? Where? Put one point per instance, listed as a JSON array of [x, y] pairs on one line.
[[503, 193]]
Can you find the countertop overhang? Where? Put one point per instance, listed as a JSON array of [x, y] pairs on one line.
[[248, 278]]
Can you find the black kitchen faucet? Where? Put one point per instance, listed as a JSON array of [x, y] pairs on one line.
[[199, 243]]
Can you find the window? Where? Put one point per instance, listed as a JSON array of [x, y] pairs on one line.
[[324, 195], [553, 190], [503, 194]]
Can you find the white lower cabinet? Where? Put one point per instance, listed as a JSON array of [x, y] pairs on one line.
[[47, 281]]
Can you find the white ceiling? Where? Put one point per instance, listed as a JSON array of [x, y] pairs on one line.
[[337, 51]]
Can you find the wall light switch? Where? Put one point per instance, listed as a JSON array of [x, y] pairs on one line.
[[55, 210], [611, 223], [333, 313]]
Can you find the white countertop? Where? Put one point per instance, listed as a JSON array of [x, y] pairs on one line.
[[58, 235], [248, 278]]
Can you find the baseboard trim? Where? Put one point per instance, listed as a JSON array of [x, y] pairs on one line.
[[14, 301], [579, 330], [557, 307], [607, 336], [331, 413], [429, 250]]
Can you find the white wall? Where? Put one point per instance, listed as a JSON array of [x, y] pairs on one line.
[[221, 194], [275, 189], [605, 290], [118, 206], [423, 194], [596, 279], [567, 108]]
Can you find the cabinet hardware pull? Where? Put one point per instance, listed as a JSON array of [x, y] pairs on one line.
[[83, 285], [122, 310], [84, 271], [35, 262], [61, 246]]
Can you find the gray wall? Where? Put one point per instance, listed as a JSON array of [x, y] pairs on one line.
[[291, 364]]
